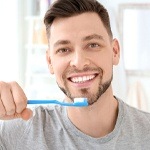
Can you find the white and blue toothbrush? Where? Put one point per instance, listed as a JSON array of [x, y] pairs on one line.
[[78, 102]]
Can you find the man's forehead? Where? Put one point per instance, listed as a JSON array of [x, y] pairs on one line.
[[75, 18], [64, 28]]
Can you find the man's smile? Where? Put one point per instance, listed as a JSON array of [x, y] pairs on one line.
[[82, 79]]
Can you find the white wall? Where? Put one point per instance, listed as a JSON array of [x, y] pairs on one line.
[[8, 40], [12, 38]]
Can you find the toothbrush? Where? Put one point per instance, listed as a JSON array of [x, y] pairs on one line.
[[78, 102]]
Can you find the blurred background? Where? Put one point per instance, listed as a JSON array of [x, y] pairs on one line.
[[23, 45]]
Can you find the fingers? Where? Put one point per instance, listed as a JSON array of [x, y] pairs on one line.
[[26, 114], [19, 97], [2, 109], [13, 102], [7, 99]]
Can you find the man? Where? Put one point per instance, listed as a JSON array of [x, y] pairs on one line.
[[81, 54]]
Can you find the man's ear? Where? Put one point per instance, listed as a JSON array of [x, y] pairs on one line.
[[49, 62], [116, 52]]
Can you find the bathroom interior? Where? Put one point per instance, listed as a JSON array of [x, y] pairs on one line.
[[23, 46]]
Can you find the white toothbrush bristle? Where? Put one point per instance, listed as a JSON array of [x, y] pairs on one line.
[[80, 99]]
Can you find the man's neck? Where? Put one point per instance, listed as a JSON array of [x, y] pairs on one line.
[[96, 120]]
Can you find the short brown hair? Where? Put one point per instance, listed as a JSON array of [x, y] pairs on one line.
[[68, 8]]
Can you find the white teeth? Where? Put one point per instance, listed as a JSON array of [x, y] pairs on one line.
[[82, 79]]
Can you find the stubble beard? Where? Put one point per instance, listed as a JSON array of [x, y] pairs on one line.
[[92, 98]]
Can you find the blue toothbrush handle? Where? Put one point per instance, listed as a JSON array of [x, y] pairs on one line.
[[49, 102], [43, 102], [75, 104]]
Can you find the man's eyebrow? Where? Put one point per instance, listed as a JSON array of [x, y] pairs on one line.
[[93, 36], [61, 42], [89, 37]]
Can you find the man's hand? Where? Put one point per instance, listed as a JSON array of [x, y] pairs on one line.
[[13, 102]]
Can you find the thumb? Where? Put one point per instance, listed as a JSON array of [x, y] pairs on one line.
[[26, 114]]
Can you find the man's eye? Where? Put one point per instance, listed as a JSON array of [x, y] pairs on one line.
[[93, 45], [63, 50]]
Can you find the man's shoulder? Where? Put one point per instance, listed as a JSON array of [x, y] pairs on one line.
[[136, 112], [136, 119], [134, 127]]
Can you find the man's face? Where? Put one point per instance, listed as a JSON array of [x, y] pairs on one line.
[[81, 55]]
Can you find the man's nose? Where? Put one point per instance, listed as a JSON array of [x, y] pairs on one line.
[[79, 60]]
